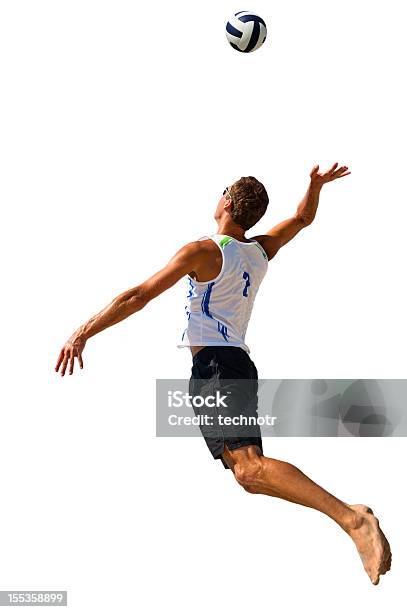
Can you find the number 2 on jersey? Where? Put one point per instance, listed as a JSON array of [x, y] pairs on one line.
[[246, 277]]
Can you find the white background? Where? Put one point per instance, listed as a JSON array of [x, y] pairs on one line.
[[121, 124]]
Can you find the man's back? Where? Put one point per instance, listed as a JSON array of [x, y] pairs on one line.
[[220, 296]]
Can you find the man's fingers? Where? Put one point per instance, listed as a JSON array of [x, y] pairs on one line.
[[64, 363], [60, 358], [66, 360], [333, 173], [72, 361], [340, 171]]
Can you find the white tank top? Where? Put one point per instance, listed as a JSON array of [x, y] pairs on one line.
[[218, 311]]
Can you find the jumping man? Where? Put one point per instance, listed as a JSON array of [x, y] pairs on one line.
[[223, 274]]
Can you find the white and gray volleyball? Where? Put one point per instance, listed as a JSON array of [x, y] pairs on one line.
[[246, 31]]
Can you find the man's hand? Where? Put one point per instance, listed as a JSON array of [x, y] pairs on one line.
[[320, 178], [72, 349]]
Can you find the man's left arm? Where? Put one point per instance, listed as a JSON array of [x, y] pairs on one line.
[[285, 231]]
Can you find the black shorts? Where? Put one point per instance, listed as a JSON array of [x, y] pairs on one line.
[[224, 385]]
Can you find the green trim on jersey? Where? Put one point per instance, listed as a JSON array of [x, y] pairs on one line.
[[263, 252], [225, 241]]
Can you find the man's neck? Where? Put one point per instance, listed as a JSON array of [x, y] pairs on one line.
[[232, 230]]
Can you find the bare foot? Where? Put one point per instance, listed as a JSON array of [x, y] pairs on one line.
[[373, 548]]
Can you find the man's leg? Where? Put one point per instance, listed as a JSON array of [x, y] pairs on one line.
[[259, 474]]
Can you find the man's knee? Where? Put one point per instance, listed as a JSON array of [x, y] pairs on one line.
[[248, 473]]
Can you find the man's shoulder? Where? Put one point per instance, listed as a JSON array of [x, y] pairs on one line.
[[200, 249], [204, 244]]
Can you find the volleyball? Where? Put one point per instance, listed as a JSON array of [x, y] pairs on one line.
[[246, 31]]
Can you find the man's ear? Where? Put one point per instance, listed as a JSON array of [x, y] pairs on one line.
[[228, 206]]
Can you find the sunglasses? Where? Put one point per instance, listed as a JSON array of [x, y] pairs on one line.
[[226, 191]]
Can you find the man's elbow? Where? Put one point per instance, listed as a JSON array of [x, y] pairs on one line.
[[133, 300], [304, 220]]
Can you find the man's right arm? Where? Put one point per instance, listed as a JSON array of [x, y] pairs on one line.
[[127, 303]]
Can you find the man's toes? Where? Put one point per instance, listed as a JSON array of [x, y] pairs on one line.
[[374, 576], [362, 508], [386, 563], [366, 509]]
